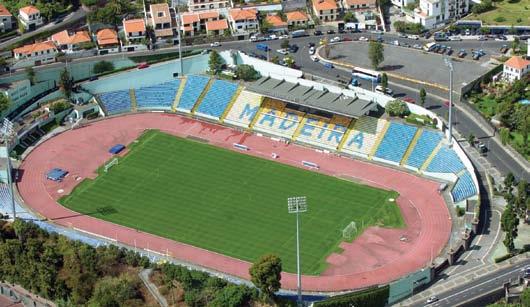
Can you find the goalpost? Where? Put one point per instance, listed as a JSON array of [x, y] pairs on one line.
[[349, 231], [110, 164]]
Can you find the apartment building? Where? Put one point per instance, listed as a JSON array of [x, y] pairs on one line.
[[432, 13], [243, 22], [205, 5], [162, 19]]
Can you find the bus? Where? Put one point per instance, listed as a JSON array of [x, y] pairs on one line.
[[366, 74]]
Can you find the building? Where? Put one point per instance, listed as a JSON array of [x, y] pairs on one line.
[[36, 54], [195, 23], [7, 22], [326, 10], [401, 3], [70, 43], [432, 13], [18, 92], [162, 20], [30, 17], [515, 68], [276, 23], [243, 22], [297, 19], [204, 5], [358, 4], [107, 40], [217, 27], [134, 30]]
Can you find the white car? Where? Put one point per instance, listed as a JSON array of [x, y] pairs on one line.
[[415, 37], [431, 300], [387, 91], [215, 44], [455, 38], [314, 58], [273, 37], [312, 50], [336, 39], [285, 36], [363, 39], [395, 43], [283, 51]]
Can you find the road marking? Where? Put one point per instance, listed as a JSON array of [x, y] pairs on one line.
[[496, 236]]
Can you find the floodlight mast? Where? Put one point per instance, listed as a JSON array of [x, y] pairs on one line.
[[449, 64], [297, 205]]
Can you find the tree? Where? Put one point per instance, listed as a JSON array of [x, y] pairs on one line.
[[384, 81], [215, 63], [4, 102], [423, 95], [289, 61], [326, 46], [247, 72], [275, 59], [349, 17], [376, 53], [265, 25], [66, 83], [509, 224], [505, 135], [284, 44], [266, 274], [103, 66], [31, 75], [471, 139], [397, 108], [525, 297]]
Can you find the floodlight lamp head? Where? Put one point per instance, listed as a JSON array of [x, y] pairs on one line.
[[297, 204]]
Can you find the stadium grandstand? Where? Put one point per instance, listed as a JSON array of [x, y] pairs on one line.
[[312, 115]]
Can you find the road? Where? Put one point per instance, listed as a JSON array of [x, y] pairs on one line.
[[69, 19], [482, 286]]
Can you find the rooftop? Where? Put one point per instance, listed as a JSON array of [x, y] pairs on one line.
[[160, 13], [517, 62], [275, 21], [4, 11], [325, 5], [297, 16], [28, 49], [107, 37], [29, 10], [240, 14], [216, 25], [63, 38], [360, 2], [310, 97], [134, 25]]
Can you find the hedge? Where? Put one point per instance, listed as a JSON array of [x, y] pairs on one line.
[[371, 297]]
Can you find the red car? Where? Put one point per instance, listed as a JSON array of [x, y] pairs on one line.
[[446, 103], [346, 39], [409, 100], [143, 65]]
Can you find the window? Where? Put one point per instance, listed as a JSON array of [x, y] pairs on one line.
[[160, 14]]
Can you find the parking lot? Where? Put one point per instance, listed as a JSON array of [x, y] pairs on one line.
[[414, 64]]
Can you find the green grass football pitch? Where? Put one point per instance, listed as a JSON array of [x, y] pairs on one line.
[[228, 202]]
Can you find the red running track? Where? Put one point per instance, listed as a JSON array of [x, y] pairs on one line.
[[378, 256]]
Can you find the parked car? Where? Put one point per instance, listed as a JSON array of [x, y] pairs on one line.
[[467, 32], [317, 32], [336, 39], [314, 58], [455, 38], [403, 35], [449, 51], [446, 103], [395, 43], [482, 38], [504, 48], [312, 50], [427, 35], [330, 31], [414, 37], [273, 37], [142, 65], [310, 44], [215, 44], [462, 53], [283, 51], [347, 39], [328, 65], [293, 48], [386, 91], [416, 46], [363, 39], [409, 100]]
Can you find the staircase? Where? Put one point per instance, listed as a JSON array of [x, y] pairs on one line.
[[411, 146], [298, 130], [134, 105], [179, 94], [201, 97], [255, 119], [431, 156], [239, 89], [346, 135]]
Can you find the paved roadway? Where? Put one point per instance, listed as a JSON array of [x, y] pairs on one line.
[[69, 19]]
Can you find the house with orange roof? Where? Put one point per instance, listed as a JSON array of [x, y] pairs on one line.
[[71, 42], [30, 17], [276, 23], [515, 68], [195, 23], [107, 40], [7, 22], [162, 19], [134, 30], [205, 5], [242, 22], [37, 53], [216, 27], [358, 4], [326, 10], [297, 19]]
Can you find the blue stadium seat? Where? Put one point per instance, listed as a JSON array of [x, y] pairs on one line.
[[217, 99], [159, 96], [192, 90], [116, 102], [463, 188], [445, 161], [427, 141], [395, 142]]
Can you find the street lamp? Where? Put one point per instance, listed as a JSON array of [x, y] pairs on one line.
[[297, 205], [449, 64]]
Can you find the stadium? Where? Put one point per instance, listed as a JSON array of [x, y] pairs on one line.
[[207, 165]]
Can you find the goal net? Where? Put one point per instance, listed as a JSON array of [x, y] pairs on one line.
[[110, 164], [349, 231]]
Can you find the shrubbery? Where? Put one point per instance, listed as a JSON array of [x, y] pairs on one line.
[[102, 66], [397, 108]]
